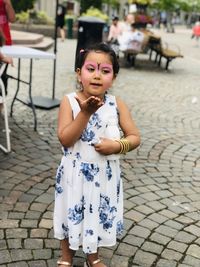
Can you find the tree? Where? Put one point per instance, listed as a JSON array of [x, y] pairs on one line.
[[22, 5], [140, 2], [190, 5], [114, 3], [167, 5], [90, 3]]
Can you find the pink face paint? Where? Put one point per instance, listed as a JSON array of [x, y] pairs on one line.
[[97, 73], [100, 68]]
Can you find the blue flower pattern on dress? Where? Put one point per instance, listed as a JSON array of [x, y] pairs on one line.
[[76, 214], [65, 230], [87, 135], [117, 111], [78, 155], [106, 212], [89, 171], [120, 228], [89, 232], [97, 184], [91, 209], [108, 170], [66, 151], [94, 123], [59, 176], [118, 191]]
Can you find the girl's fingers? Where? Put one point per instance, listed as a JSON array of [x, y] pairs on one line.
[[90, 104]]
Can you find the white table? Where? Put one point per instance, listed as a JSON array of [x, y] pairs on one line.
[[22, 52], [25, 52]]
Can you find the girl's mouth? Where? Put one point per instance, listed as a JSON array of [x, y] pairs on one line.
[[96, 84]]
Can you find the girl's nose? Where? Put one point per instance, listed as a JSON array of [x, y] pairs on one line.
[[97, 74]]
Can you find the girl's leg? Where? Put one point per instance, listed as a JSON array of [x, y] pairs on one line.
[[62, 34], [67, 253]]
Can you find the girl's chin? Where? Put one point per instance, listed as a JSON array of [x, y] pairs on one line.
[[96, 87]]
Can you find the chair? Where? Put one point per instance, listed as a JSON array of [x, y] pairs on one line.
[[6, 148]]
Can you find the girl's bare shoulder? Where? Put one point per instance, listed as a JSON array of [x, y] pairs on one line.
[[120, 102]]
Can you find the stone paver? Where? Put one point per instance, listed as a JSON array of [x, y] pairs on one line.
[[161, 178]]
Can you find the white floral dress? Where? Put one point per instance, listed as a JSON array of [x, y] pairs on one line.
[[88, 193]]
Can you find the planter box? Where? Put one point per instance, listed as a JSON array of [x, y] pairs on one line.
[[46, 30]]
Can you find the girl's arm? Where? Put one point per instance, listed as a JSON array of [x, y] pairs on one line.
[[9, 10], [128, 126], [5, 59], [69, 129], [110, 35]]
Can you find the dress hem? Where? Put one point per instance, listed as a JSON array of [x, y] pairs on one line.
[[80, 246]]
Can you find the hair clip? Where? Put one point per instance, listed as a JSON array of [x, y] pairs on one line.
[[82, 50]]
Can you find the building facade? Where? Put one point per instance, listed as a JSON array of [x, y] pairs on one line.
[[73, 7], [49, 6]]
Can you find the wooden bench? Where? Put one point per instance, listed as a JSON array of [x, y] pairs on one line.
[[153, 43], [163, 50]]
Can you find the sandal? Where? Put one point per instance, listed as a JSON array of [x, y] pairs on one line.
[[66, 263], [87, 264]]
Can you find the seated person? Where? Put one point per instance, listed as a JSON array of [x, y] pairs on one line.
[[115, 30], [131, 40], [128, 21]]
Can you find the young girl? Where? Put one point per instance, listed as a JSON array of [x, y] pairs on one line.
[[89, 199]]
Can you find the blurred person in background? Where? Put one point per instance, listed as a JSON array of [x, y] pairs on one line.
[[7, 15], [115, 30], [196, 32], [60, 20]]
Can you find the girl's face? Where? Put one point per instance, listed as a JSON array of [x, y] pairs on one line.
[[96, 75]]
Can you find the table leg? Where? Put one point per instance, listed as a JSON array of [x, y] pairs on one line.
[[18, 86], [31, 104], [29, 83]]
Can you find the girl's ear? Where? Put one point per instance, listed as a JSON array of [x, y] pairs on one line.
[[114, 77], [78, 72]]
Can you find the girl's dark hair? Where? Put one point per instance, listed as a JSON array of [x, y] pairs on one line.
[[99, 47]]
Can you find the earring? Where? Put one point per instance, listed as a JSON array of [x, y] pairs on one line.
[[79, 85]]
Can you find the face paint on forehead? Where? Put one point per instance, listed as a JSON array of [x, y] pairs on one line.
[[98, 66]]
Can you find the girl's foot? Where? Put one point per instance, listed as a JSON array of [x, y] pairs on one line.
[[96, 263], [61, 263], [67, 255]]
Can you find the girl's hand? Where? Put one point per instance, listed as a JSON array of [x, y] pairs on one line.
[[90, 105], [107, 146], [9, 60], [7, 2]]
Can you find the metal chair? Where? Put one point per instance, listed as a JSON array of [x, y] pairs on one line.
[[6, 148]]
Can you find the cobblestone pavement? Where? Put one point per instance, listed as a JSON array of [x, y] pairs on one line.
[[161, 178]]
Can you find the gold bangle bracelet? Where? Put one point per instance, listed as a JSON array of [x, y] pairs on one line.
[[124, 144]]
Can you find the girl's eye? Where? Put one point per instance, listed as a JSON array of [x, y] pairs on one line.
[[105, 71], [90, 69]]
